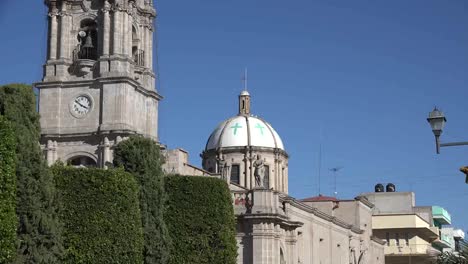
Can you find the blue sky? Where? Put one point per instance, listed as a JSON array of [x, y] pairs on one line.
[[356, 77]]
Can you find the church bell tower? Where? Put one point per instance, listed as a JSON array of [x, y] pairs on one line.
[[98, 85]]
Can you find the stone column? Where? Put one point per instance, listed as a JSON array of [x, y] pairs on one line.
[[64, 31], [55, 156], [116, 32], [146, 46], [105, 152], [243, 176], [286, 188], [50, 154], [150, 43], [250, 177], [274, 183], [130, 34], [106, 29], [53, 35], [291, 254], [125, 33]]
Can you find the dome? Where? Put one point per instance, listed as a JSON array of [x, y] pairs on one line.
[[244, 93], [244, 130]]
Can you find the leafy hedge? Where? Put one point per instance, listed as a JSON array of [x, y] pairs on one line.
[[140, 156], [101, 216], [39, 229], [200, 219], [8, 220]]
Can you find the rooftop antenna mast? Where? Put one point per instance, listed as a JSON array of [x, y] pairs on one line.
[[320, 162], [319, 167], [335, 170]]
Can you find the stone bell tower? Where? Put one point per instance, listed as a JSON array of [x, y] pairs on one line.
[[98, 85]]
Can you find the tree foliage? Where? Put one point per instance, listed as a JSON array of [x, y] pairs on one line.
[[453, 258], [201, 221], [101, 216], [8, 220], [141, 157], [39, 229]]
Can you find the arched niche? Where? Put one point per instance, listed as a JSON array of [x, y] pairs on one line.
[[88, 40], [138, 53], [81, 159]]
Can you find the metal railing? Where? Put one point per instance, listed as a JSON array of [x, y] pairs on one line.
[[139, 58], [80, 53]]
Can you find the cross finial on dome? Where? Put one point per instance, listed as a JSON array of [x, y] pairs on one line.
[[244, 79]]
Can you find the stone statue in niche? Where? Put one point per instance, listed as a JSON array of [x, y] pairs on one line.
[[259, 172], [223, 168]]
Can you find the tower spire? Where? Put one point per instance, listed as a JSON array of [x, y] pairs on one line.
[[244, 97]]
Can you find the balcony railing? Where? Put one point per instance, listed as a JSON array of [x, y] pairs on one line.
[[81, 53], [139, 58]]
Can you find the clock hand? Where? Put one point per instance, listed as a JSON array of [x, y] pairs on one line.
[[81, 104]]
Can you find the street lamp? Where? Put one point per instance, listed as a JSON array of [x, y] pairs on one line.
[[437, 121]]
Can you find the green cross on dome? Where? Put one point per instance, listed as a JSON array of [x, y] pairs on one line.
[[260, 127], [235, 127]]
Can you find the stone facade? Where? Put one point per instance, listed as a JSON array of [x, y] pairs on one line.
[[273, 227], [98, 85]]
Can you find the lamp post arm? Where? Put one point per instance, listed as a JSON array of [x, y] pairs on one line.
[[463, 143]]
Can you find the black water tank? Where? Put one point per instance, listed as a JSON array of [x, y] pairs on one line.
[[379, 187], [391, 187]]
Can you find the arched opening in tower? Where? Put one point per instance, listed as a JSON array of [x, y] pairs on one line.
[[87, 48], [137, 53]]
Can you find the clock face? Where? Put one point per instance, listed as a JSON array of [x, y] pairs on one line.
[[81, 105]]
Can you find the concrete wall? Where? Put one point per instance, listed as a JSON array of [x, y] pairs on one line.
[[391, 202], [177, 162]]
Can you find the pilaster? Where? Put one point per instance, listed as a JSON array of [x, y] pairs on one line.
[[53, 33]]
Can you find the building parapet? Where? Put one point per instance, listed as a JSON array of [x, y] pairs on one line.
[[408, 221], [318, 213], [441, 215], [422, 250]]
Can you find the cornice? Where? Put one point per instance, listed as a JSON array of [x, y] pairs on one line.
[[378, 240], [103, 80]]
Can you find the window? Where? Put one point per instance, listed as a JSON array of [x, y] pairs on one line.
[[235, 173], [397, 239], [407, 239], [266, 179]]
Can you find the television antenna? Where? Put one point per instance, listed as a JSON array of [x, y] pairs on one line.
[[335, 171]]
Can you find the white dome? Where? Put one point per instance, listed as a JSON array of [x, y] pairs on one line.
[[244, 130]]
